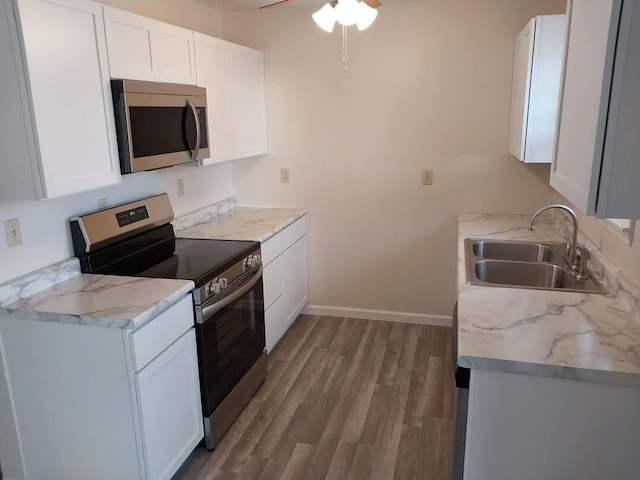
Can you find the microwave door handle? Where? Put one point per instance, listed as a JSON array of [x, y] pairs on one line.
[[195, 151]]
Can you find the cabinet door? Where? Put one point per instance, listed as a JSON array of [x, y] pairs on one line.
[[173, 48], [246, 109], [591, 32], [295, 286], [274, 323], [210, 74], [169, 406], [522, 62], [68, 76], [129, 45]]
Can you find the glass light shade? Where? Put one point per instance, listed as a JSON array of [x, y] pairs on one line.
[[366, 16], [347, 12], [325, 18]]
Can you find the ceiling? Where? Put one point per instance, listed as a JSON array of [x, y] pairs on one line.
[[238, 5]]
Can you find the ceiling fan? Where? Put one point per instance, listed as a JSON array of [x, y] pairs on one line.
[[282, 3]]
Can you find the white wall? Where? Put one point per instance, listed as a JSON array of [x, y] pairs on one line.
[[45, 226], [429, 86]]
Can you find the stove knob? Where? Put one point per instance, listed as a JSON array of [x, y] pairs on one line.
[[253, 261], [223, 283], [214, 288]]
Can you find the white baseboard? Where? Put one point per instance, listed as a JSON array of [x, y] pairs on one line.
[[383, 315]]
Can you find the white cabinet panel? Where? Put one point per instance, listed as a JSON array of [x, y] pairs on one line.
[[234, 78], [284, 279], [596, 165], [246, 101], [174, 50], [141, 48], [169, 407], [129, 45], [210, 69], [274, 324], [152, 338], [272, 282], [536, 86], [295, 287], [60, 46]]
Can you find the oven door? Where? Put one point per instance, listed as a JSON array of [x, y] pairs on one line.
[[230, 338]]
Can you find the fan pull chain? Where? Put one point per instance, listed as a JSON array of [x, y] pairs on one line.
[[345, 51]]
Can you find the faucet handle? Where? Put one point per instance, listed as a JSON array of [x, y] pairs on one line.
[[582, 259]]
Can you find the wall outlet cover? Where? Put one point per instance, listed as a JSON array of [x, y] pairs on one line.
[[180, 185], [427, 177]]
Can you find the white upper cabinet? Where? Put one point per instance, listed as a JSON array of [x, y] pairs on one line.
[[234, 78], [596, 165], [56, 118], [246, 101], [141, 48], [210, 70], [536, 84]]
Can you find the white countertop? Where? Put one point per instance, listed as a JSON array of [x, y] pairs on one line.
[[238, 223], [575, 336], [60, 293], [101, 301]]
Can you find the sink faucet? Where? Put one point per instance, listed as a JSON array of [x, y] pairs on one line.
[[573, 246]]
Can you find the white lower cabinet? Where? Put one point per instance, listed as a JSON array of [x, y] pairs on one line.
[[284, 279], [169, 407], [102, 403]]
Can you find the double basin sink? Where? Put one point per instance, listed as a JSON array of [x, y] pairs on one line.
[[520, 264]]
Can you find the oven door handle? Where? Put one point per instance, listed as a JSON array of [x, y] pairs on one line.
[[211, 310]]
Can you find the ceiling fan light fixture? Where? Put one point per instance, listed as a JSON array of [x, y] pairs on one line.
[[347, 12], [366, 16], [325, 18]]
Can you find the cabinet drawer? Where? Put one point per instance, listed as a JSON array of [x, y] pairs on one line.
[[160, 332], [272, 282], [283, 240]]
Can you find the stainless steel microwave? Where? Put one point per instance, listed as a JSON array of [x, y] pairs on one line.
[[159, 124]]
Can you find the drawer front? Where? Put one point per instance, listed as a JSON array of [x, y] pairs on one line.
[[161, 332], [272, 282], [283, 240]]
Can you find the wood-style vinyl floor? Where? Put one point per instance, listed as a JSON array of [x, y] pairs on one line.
[[345, 399]]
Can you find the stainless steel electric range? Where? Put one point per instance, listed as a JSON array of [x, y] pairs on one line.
[[137, 239]]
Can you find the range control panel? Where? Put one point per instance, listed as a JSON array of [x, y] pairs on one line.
[[134, 215]]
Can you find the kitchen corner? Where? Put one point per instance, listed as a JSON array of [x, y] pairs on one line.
[[577, 351]]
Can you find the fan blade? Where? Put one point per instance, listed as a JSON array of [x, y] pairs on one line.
[[372, 3], [281, 3]]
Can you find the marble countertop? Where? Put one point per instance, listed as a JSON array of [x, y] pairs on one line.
[[575, 336], [95, 300], [236, 222]]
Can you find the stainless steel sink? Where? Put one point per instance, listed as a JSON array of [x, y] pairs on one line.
[[521, 274], [516, 251], [517, 264]]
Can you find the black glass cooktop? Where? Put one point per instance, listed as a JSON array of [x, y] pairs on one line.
[[158, 254], [200, 260]]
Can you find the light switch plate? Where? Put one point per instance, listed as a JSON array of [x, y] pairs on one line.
[[12, 231], [284, 175], [180, 185]]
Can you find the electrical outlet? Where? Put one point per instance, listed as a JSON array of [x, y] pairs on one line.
[[180, 187], [284, 175], [427, 177], [102, 203], [12, 231]]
